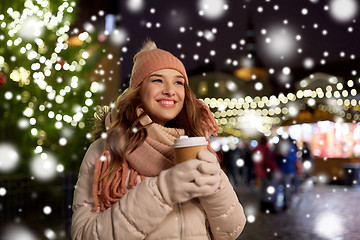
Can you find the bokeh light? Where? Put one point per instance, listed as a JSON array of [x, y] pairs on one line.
[[328, 225], [118, 37], [280, 42], [240, 162], [2, 191], [31, 28], [9, 157], [251, 218], [43, 166], [50, 234], [17, 232], [135, 6], [211, 9], [343, 10]]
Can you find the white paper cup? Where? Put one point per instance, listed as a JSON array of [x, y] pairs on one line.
[[187, 148]]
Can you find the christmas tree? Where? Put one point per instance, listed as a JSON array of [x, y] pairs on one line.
[[47, 87]]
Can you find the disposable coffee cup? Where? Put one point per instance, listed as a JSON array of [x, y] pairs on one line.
[[187, 148]]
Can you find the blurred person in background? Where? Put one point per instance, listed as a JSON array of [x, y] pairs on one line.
[[264, 163], [248, 169], [230, 159], [307, 159], [286, 157]]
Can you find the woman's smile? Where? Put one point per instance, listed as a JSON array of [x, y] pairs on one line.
[[167, 103]]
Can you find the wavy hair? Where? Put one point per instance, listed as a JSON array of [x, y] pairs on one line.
[[126, 123]]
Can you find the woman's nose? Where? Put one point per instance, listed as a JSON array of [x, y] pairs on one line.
[[169, 90]]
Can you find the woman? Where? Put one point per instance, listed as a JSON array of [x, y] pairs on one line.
[[129, 186]]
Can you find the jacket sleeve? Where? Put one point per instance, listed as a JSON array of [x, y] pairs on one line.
[[135, 215], [224, 211]]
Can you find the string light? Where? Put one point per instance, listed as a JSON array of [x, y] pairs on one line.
[[276, 109]]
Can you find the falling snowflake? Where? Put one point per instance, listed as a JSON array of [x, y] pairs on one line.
[[343, 10], [43, 166], [9, 157], [211, 9]]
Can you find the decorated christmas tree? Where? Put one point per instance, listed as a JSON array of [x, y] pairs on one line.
[[48, 88]]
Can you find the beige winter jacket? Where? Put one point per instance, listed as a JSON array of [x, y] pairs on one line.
[[143, 214]]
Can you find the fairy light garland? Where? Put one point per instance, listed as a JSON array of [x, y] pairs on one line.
[[231, 114]]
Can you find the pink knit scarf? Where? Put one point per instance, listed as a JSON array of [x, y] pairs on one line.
[[149, 159]]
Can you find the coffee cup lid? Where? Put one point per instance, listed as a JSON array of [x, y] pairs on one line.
[[185, 141]]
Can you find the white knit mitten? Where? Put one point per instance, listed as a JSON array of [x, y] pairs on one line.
[[186, 180], [210, 168]]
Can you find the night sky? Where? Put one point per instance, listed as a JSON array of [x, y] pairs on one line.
[[303, 35]]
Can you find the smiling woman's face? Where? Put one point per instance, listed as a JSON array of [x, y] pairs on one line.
[[162, 94]]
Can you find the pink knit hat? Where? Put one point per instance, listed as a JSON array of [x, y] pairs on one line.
[[151, 59]]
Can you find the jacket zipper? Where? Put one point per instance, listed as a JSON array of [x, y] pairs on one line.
[[181, 221]]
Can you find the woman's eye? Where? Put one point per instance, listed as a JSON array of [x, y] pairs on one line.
[[156, 80], [179, 82]]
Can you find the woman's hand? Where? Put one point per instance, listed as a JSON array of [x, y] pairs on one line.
[[210, 170], [190, 179]]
